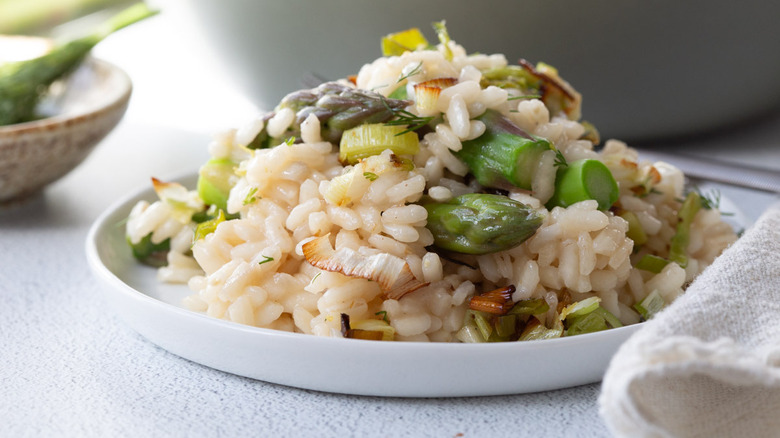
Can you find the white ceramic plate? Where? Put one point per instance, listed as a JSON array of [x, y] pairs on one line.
[[347, 366]]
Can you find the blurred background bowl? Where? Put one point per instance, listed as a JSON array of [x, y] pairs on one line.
[[79, 112], [647, 70]]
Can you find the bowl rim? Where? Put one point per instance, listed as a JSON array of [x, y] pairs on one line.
[[49, 123]]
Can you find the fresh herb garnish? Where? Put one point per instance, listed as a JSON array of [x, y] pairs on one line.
[[383, 314], [560, 160], [266, 259], [250, 197], [371, 176], [709, 201], [414, 71], [412, 121], [290, 141]]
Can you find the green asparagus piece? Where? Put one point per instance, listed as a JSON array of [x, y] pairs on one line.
[[505, 155], [479, 223], [338, 108], [652, 263], [23, 83], [583, 180], [682, 236]]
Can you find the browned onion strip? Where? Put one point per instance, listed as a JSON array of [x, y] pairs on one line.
[[390, 272], [496, 302]]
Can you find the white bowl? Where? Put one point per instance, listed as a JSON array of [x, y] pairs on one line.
[[647, 70]]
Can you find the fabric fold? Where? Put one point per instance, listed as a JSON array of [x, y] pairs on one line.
[[709, 364]]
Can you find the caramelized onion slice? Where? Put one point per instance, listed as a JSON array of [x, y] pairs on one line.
[[391, 272]]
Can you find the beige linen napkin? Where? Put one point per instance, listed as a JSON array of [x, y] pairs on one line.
[[709, 364]]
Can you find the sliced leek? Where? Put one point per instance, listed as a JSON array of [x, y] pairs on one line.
[[371, 139]]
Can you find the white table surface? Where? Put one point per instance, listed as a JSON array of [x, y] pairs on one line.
[[70, 367]]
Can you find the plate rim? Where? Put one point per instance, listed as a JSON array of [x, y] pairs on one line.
[[413, 350]]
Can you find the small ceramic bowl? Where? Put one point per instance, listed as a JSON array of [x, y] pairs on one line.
[[78, 113]]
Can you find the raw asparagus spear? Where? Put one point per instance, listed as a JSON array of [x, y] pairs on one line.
[[478, 223], [22, 83], [338, 108]]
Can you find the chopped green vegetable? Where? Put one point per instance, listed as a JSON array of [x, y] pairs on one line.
[[652, 263], [478, 223], [150, 253], [534, 330], [556, 94], [373, 329], [635, 231], [23, 83], [583, 180], [652, 304], [338, 108], [250, 197], [399, 93], [597, 320], [215, 179], [587, 316], [482, 321], [679, 244], [397, 43], [207, 227], [371, 139], [504, 155], [580, 308], [535, 306]]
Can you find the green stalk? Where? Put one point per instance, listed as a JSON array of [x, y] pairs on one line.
[[23, 83], [583, 180], [504, 155]]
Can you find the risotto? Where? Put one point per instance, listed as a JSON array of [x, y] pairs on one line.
[[435, 196]]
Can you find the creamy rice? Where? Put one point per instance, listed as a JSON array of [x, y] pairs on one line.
[[253, 269]]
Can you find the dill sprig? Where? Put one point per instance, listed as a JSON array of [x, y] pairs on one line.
[[560, 160], [525, 96], [412, 121], [414, 71], [711, 200]]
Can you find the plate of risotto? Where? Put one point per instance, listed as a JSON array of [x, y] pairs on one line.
[[439, 224]]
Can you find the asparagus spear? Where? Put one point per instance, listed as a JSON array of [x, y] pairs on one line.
[[338, 108], [582, 180], [504, 155], [479, 223], [22, 83]]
